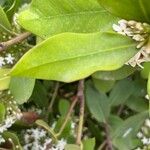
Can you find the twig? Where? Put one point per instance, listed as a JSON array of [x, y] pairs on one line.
[[67, 116], [102, 145], [108, 139], [49, 109], [81, 118], [53, 97], [17, 39], [120, 110], [70, 109]]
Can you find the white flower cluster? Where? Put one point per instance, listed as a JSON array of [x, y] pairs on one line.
[[2, 140], [139, 32], [37, 139], [12, 115], [144, 135], [9, 59]]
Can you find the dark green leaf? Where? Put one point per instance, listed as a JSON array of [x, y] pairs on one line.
[[121, 92], [103, 85], [130, 126], [39, 95], [63, 107], [137, 104], [97, 103]]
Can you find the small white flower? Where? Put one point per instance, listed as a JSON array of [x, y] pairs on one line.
[[2, 62], [138, 37], [147, 122], [118, 29], [61, 144], [145, 140], [9, 59], [147, 97], [139, 135], [2, 140], [138, 148]]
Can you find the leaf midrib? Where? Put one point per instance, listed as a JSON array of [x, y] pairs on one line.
[[81, 56], [42, 16]]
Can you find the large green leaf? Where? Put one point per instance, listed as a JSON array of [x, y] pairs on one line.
[[148, 86], [4, 23], [21, 89], [129, 9], [97, 103], [56, 16], [70, 56], [4, 79]]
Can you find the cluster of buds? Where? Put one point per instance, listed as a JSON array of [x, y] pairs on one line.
[[13, 113], [144, 135], [140, 33]]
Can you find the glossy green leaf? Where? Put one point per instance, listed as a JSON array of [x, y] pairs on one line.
[[4, 79], [4, 23], [121, 92], [21, 89], [97, 103], [129, 9], [2, 112], [52, 17], [72, 147], [89, 144], [146, 70], [68, 57], [118, 74]]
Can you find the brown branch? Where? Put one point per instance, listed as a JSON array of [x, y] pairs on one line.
[[53, 97], [108, 139], [80, 88], [16, 40], [102, 145], [81, 118], [120, 110]]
